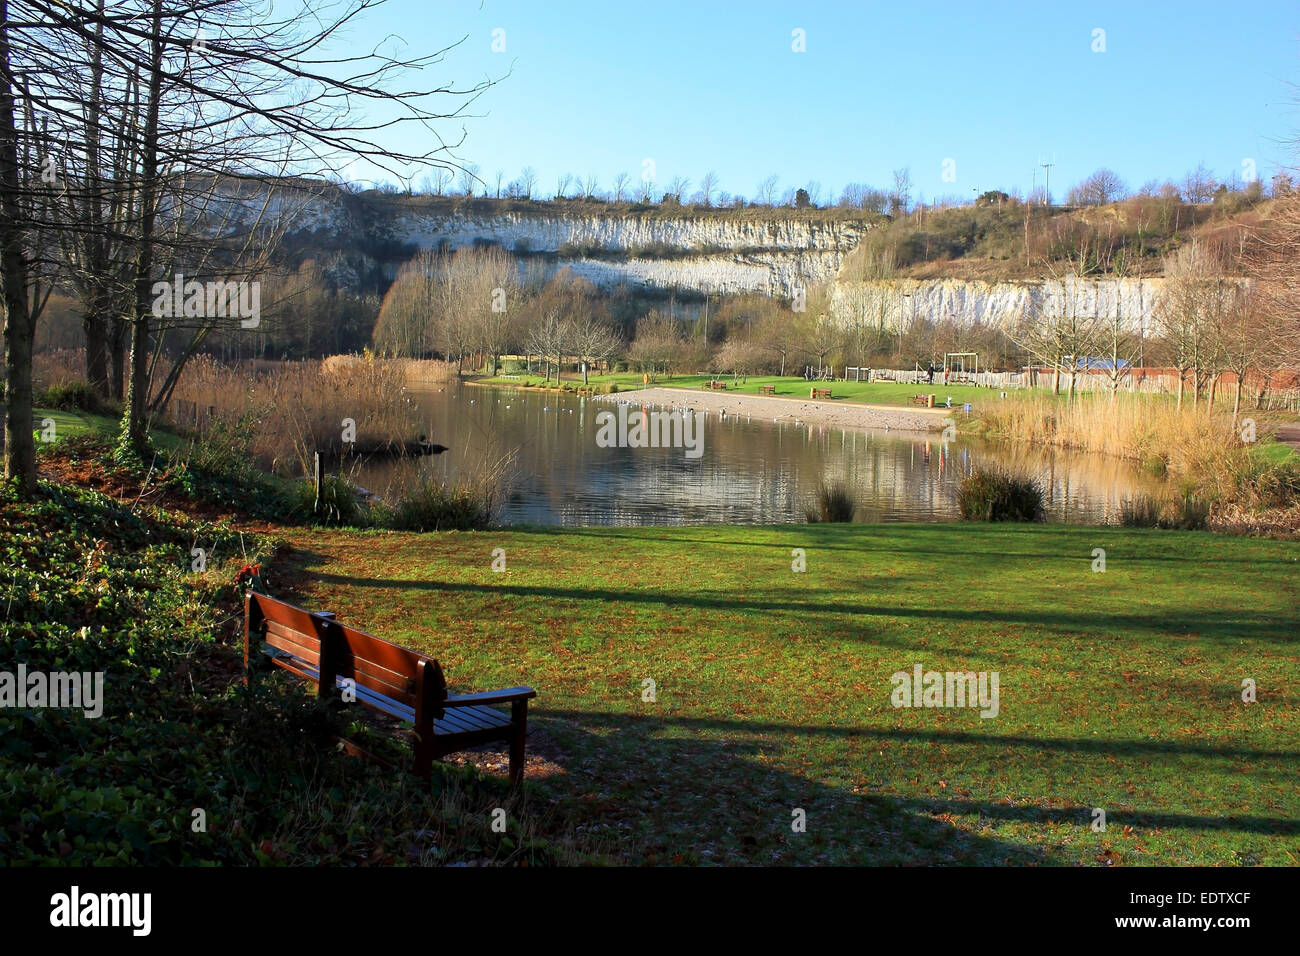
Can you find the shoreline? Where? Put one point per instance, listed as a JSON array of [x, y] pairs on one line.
[[789, 408]]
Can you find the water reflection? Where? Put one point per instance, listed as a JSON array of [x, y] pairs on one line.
[[751, 472]]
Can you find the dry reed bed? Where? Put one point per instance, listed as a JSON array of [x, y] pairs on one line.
[[57, 367], [296, 407], [1144, 429], [1196, 446]]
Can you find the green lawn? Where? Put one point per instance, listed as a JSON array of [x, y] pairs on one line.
[[76, 424], [73, 424], [875, 393], [1118, 690], [1275, 453]]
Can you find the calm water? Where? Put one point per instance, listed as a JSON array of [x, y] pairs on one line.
[[750, 472]]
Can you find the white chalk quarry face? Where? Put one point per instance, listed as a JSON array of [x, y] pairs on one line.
[[996, 303], [772, 257]]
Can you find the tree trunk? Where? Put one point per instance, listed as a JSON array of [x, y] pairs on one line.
[[117, 356], [97, 295], [134, 429], [20, 447], [96, 329]]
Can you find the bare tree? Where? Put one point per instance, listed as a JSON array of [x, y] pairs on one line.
[[766, 191], [900, 199], [822, 337], [620, 186], [708, 187], [549, 337], [489, 299], [738, 356], [1199, 185], [562, 184], [656, 344], [1187, 311], [501, 176], [440, 180], [1272, 261], [592, 341], [1103, 186], [1245, 339], [678, 186], [528, 180], [468, 178], [590, 186], [1058, 328]]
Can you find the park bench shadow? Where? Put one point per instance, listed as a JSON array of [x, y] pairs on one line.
[[1094, 620], [665, 799], [945, 546], [658, 759]]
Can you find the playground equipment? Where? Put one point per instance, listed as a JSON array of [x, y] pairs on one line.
[[961, 366]]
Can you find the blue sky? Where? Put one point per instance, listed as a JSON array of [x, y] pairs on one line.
[[992, 86]]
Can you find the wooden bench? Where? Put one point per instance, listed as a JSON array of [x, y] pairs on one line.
[[768, 389], [345, 662], [926, 400], [820, 393]]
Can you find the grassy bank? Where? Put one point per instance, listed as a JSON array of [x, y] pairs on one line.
[[1119, 690], [185, 766]]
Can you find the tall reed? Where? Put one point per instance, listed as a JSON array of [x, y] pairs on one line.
[[297, 407]]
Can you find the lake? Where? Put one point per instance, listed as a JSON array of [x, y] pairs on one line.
[[750, 472]]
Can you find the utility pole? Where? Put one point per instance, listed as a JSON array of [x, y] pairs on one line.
[[1047, 182]]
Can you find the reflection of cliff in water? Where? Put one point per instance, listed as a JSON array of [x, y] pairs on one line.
[[751, 472]]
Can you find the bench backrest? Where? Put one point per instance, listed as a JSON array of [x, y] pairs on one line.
[[336, 650], [394, 672], [284, 627]]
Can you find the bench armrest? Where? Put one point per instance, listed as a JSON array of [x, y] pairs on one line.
[[490, 697]]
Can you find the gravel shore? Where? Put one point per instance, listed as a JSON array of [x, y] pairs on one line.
[[838, 414]]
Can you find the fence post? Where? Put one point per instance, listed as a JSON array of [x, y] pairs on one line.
[[316, 477]]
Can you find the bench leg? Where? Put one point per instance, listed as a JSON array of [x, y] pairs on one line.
[[519, 714], [424, 753]]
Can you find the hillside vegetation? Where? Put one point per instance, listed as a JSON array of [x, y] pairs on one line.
[[1013, 240]]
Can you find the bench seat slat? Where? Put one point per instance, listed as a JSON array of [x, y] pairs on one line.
[[474, 718], [482, 724]]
